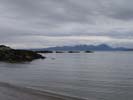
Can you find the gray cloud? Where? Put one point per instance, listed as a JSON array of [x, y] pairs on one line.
[[42, 19]]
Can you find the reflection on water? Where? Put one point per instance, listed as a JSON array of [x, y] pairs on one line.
[[100, 75]]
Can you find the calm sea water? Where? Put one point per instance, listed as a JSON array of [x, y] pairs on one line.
[[100, 75]]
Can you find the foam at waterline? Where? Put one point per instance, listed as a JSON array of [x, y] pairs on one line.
[[37, 92]]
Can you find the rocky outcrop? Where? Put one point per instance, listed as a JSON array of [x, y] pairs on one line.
[[73, 51], [45, 51], [8, 54], [59, 52], [88, 52]]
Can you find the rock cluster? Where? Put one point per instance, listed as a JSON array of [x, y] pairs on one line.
[[8, 54]]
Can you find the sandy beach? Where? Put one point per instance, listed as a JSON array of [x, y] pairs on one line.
[[13, 92]]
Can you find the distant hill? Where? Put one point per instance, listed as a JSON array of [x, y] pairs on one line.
[[101, 47]]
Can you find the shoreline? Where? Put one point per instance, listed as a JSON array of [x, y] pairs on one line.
[[15, 92]]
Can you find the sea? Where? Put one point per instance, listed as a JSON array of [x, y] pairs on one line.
[[89, 76]]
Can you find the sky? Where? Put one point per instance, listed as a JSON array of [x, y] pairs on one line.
[[46, 23]]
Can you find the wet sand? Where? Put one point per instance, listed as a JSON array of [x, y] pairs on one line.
[[13, 92]]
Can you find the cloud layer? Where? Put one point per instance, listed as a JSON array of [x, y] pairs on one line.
[[43, 23]]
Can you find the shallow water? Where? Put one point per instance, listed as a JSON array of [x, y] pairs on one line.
[[99, 75]]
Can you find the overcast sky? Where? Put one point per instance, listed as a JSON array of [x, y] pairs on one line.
[[44, 23]]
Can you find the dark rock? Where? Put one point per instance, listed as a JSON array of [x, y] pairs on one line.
[[8, 54], [88, 52], [73, 51], [59, 51], [45, 51]]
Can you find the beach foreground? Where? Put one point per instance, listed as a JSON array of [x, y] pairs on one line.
[[13, 92]]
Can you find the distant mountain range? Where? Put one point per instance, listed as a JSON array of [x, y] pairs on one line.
[[101, 47]]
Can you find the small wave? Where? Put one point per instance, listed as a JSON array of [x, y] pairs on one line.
[[37, 92]]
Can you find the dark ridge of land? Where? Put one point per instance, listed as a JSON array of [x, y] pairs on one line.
[[44, 51], [73, 51], [8, 54], [101, 47]]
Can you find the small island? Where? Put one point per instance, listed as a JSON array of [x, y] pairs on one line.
[[73, 51], [59, 52], [88, 51], [8, 54]]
